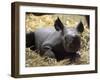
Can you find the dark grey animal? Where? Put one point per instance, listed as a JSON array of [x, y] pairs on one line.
[[59, 43]]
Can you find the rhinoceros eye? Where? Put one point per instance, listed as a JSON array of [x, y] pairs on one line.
[[68, 39]]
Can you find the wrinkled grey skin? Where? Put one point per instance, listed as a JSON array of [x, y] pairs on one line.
[[60, 42]]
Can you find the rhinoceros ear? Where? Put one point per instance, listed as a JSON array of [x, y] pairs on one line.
[[58, 24], [80, 27]]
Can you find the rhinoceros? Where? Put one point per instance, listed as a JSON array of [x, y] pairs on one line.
[[59, 42]]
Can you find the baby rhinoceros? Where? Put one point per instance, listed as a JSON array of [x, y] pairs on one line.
[[59, 43]]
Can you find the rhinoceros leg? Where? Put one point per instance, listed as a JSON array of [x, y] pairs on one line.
[[49, 54], [30, 40], [74, 57]]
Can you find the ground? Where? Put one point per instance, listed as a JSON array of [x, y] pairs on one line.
[[34, 22]]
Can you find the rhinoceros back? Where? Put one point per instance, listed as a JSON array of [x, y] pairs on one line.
[[41, 35]]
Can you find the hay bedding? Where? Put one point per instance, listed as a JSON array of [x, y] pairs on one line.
[[33, 22]]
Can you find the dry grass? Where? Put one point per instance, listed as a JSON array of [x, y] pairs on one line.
[[34, 22]]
